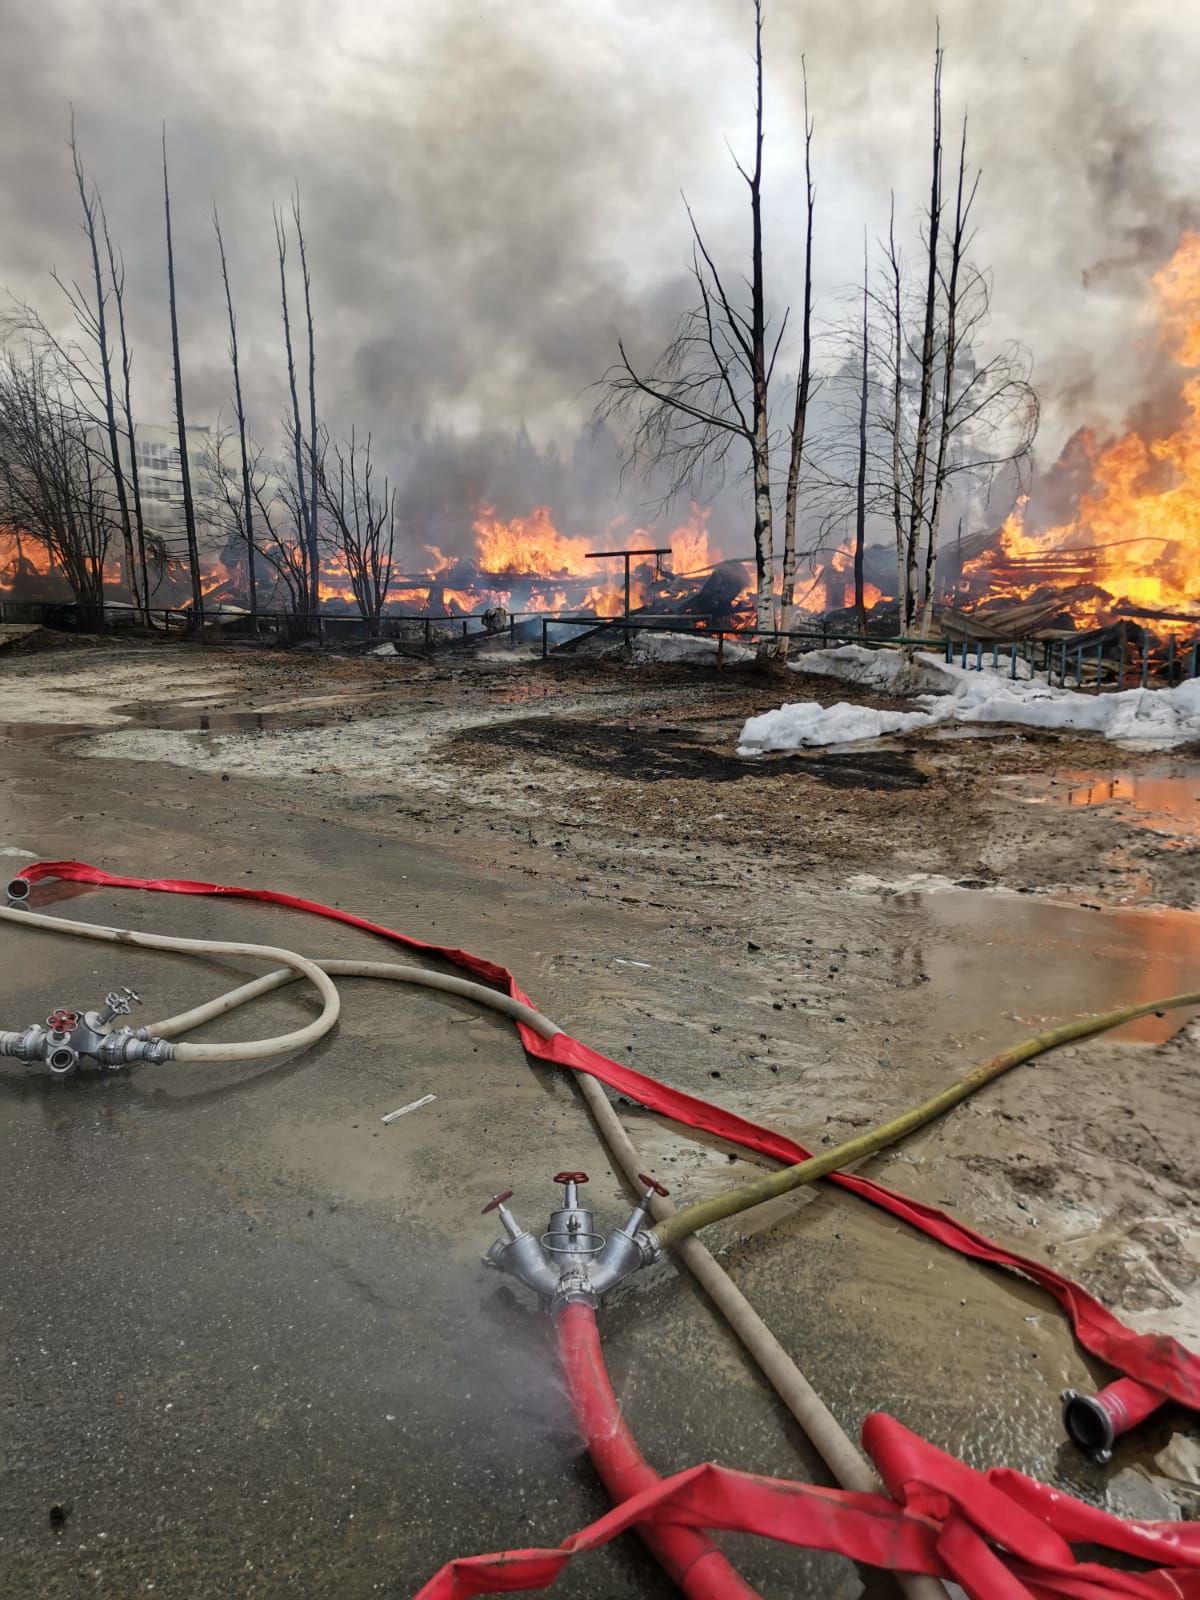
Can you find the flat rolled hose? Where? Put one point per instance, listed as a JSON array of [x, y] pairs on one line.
[[691, 1218], [253, 1050], [688, 1557]]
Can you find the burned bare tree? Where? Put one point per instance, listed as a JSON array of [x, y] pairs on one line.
[[860, 473], [362, 524], [946, 412], [275, 519], [87, 365], [55, 481], [189, 508], [313, 472], [302, 498], [245, 517], [147, 543], [709, 391], [92, 318], [800, 400]]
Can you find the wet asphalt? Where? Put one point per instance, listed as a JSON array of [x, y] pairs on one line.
[[246, 1344]]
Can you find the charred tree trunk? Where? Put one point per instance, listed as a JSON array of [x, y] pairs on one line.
[[307, 528], [247, 515], [895, 316], [764, 541], [116, 273], [313, 528], [189, 509], [89, 204], [918, 514], [860, 499], [800, 408], [962, 210]]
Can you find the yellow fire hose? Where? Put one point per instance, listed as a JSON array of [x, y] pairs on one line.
[[670, 1230]]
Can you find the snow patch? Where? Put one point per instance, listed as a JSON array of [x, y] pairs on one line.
[[807, 723], [889, 671], [1157, 719]]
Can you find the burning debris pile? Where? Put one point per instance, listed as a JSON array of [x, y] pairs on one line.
[[1127, 547], [1132, 545]]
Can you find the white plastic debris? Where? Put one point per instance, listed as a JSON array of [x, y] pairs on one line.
[[404, 1110]]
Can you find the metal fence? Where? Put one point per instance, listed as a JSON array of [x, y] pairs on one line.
[[1108, 663], [1126, 652]]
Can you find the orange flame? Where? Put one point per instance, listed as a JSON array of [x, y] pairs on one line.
[[834, 588], [1136, 533]]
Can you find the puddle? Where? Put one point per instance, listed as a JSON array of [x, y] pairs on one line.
[[27, 732], [207, 721], [1069, 961], [1165, 801]]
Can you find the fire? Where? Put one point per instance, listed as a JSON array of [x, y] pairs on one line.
[[217, 575], [833, 589], [690, 547], [1135, 535], [21, 557], [529, 545], [523, 563]]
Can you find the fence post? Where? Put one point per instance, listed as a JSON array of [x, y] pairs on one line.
[[1079, 666], [1170, 661], [428, 637], [995, 654], [1121, 662], [1100, 667], [512, 631], [979, 655], [949, 651], [1145, 657], [1195, 653], [545, 643], [1062, 664]]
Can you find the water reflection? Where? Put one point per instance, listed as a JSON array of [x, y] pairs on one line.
[[1165, 802]]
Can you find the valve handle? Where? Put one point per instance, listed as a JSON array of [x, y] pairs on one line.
[[496, 1200], [570, 1177], [653, 1183]]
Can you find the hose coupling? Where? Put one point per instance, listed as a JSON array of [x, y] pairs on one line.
[[17, 893], [69, 1037], [1095, 1421], [571, 1262]]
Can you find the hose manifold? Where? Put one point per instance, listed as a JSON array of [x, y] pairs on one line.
[[69, 1037], [571, 1263]]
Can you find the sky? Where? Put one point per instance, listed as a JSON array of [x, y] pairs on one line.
[[492, 192]]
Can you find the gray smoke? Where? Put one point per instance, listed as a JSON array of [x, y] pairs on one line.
[[490, 193]]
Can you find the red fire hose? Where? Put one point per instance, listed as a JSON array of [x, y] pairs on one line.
[[1000, 1535], [686, 1555], [1156, 1361]]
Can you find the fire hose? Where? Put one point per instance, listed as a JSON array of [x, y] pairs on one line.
[[1169, 1369]]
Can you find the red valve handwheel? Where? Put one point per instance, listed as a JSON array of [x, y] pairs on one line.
[[653, 1183], [496, 1200], [570, 1177]]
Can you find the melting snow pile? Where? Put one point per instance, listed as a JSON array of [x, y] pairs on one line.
[[1155, 719]]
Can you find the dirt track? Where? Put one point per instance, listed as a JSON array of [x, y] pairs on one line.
[[816, 941]]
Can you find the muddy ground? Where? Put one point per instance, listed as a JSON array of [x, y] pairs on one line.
[[246, 1337]]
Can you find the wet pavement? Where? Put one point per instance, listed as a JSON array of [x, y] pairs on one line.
[[246, 1335]]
